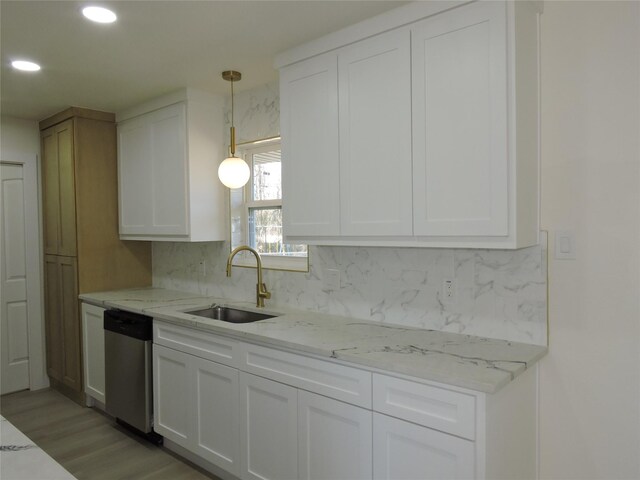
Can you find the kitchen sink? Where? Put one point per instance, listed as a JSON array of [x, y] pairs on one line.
[[231, 315]]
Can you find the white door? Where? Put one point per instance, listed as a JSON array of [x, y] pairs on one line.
[[334, 439], [268, 437], [172, 395], [14, 328], [93, 349], [374, 81], [406, 451], [460, 122], [217, 408], [152, 173], [310, 158]]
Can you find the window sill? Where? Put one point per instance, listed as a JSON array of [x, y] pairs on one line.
[[273, 262]]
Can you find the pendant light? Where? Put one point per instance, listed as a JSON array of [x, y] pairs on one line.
[[233, 172]]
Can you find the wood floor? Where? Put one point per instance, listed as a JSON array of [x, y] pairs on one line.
[[89, 444]]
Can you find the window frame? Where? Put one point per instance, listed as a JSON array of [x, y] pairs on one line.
[[244, 202]]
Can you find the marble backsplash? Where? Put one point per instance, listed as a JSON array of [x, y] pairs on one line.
[[498, 293]]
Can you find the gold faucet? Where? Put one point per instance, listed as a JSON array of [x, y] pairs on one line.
[[261, 288]]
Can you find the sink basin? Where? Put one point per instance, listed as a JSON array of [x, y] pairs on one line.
[[231, 315]]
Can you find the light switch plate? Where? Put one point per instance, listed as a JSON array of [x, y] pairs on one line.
[[565, 247]]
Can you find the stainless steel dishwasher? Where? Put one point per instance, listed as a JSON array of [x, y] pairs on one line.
[[128, 371]]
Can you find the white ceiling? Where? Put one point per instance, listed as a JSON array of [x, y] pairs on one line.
[[155, 47]]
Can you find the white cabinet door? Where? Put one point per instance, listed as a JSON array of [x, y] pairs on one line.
[[460, 156], [93, 345], [405, 451], [172, 395], [310, 158], [374, 81], [268, 437], [217, 408], [334, 439], [152, 173]]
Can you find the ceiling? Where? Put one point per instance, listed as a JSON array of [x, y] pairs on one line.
[[154, 48]]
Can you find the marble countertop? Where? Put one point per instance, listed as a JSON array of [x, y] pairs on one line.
[[21, 459], [476, 363]]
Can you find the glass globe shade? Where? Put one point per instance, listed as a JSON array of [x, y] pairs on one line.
[[234, 172]]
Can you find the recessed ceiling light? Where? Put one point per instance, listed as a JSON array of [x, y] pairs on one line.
[[25, 66], [99, 14]]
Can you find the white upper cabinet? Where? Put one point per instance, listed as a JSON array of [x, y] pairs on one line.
[[346, 128], [309, 130], [437, 129], [374, 81], [460, 181], [168, 155]]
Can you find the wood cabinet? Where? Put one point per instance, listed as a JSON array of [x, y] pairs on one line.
[[58, 190], [64, 361], [83, 252], [168, 155], [93, 352], [437, 128]]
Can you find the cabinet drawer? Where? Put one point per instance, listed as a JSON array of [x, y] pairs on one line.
[[444, 410], [196, 342], [348, 384]]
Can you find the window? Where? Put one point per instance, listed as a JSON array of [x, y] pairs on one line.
[[256, 211]]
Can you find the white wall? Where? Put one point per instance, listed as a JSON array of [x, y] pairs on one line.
[[20, 142], [590, 392], [19, 136]]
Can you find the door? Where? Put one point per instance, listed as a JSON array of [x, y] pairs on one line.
[[310, 157], [460, 183], [14, 328], [374, 81], [58, 190], [93, 345], [334, 439], [406, 451], [268, 437], [217, 408], [172, 395], [70, 322], [152, 173], [53, 319]]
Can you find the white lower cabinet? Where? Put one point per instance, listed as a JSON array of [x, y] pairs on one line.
[[93, 346], [217, 397], [406, 451], [261, 413], [171, 395], [268, 436], [334, 439], [196, 405]]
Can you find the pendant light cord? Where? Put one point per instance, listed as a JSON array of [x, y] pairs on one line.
[[232, 103], [233, 128]]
